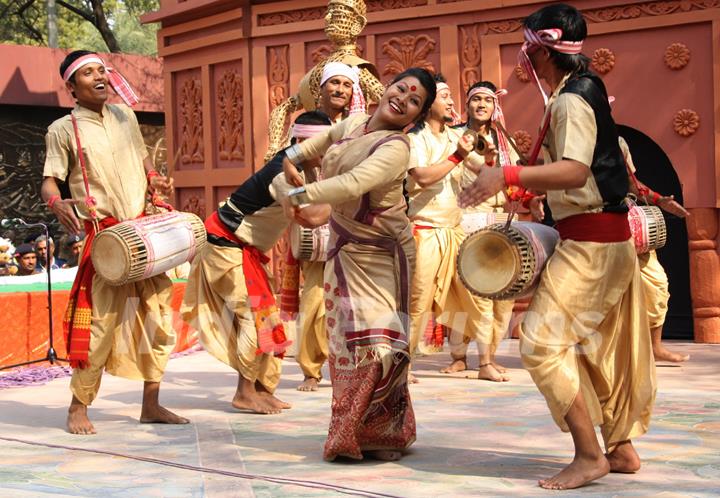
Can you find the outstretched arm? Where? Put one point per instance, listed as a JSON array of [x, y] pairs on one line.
[[386, 164]]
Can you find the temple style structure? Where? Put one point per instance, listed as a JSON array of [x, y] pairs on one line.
[[229, 63]]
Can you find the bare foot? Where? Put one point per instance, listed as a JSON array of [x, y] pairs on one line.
[[78, 421], [456, 366], [499, 367], [661, 353], [384, 455], [309, 384], [160, 415], [488, 372], [580, 472], [624, 459], [412, 379], [254, 404], [273, 401]]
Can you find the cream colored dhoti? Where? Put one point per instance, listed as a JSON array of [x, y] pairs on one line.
[[497, 312], [437, 288], [131, 334], [313, 350], [216, 304], [587, 329], [655, 285]]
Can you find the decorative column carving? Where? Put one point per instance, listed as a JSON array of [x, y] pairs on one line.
[[191, 127], [230, 117], [470, 54], [702, 226], [408, 51], [278, 75]]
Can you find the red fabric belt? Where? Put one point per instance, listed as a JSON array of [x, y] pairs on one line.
[[214, 226], [595, 227], [76, 323]]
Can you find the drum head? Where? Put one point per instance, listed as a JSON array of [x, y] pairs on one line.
[[111, 257], [488, 262], [295, 237]]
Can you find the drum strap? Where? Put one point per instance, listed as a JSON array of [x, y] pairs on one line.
[[595, 227], [90, 201]]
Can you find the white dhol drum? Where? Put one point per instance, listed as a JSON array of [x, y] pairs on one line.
[[137, 249], [647, 226], [472, 222], [309, 244], [498, 264]]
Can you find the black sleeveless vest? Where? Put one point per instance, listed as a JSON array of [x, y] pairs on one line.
[[608, 165]]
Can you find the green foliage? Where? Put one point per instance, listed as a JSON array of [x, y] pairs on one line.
[[25, 22]]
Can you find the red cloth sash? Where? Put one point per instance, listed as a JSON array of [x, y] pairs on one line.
[[595, 227], [270, 330], [76, 323]]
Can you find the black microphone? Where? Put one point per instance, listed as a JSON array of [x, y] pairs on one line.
[[12, 222]]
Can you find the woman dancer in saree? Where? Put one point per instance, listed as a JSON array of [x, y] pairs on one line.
[[369, 268]]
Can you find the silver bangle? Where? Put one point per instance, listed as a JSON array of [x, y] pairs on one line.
[[298, 196], [294, 154]]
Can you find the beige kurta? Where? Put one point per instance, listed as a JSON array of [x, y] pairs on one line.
[[437, 291], [586, 327], [114, 152], [216, 301], [131, 331], [366, 286]]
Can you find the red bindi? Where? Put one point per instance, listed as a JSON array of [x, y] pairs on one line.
[[413, 88]]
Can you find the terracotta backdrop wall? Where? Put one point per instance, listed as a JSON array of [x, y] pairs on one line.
[[228, 63]]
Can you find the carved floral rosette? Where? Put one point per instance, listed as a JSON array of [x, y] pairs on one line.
[[603, 60], [686, 122], [677, 56]]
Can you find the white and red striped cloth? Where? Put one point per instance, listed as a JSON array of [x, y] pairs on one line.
[[116, 80], [550, 38]]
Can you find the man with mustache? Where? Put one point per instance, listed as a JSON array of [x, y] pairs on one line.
[[340, 95]]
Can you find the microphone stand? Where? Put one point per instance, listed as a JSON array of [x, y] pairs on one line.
[[51, 354]]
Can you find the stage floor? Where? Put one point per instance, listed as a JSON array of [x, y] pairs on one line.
[[475, 438]]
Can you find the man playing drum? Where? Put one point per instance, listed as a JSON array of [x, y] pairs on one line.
[[433, 183], [654, 278], [585, 338], [125, 330], [484, 113], [228, 298], [339, 87]]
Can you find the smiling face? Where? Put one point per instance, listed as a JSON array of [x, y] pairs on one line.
[[336, 94], [90, 86], [480, 108], [402, 103], [442, 108]]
